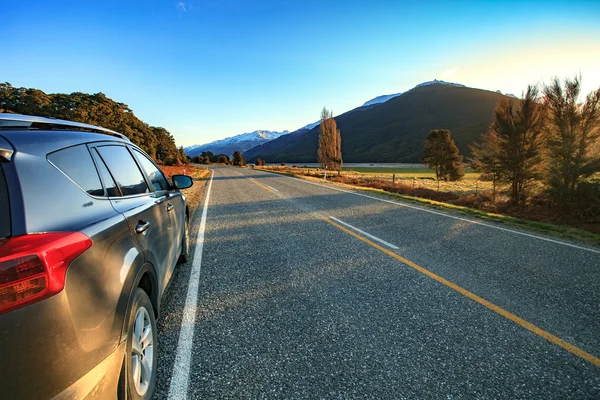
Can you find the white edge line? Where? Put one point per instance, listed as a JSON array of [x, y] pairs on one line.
[[275, 190], [181, 368], [447, 215], [391, 246]]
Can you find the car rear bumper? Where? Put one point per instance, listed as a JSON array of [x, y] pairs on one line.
[[99, 383]]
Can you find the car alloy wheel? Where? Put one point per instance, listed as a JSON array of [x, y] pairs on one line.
[[138, 376], [142, 351]]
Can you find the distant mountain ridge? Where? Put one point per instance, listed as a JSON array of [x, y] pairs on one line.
[[241, 142], [380, 99], [395, 129]]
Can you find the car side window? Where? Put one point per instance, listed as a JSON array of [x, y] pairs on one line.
[[156, 176], [109, 183], [124, 169], [76, 163]]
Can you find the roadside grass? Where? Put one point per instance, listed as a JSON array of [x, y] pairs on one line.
[[194, 193], [414, 177], [445, 201]]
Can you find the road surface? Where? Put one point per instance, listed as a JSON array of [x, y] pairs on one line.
[[301, 290]]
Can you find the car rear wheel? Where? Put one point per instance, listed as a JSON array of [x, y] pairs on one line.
[[185, 244], [138, 378]]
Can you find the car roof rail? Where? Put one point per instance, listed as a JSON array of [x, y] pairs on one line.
[[31, 121]]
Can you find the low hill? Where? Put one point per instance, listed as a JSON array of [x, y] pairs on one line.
[[94, 109], [394, 131]]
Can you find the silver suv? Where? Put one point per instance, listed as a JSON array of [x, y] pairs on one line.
[[90, 232]]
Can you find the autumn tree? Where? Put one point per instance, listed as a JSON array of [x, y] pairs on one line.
[[441, 155], [329, 153], [572, 137], [260, 162]]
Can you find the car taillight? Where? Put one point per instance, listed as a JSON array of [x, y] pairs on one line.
[[33, 267]]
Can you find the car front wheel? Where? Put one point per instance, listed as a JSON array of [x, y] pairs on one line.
[[138, 379]]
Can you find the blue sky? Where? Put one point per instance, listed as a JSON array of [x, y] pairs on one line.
[[215, 68]]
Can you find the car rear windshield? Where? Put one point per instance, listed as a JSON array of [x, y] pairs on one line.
[[4, 207]]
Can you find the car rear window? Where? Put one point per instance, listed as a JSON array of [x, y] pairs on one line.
[[124, 169], [4, 207], [76, 163]]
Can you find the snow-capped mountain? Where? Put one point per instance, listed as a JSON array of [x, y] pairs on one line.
[[241, 142], [247, 141], [310, 126], [380, 99], [435, 81]]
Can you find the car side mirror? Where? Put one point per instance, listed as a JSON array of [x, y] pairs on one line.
[[182, 181]]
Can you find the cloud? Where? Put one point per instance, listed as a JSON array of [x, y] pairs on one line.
[[181, 6], [449, 73]]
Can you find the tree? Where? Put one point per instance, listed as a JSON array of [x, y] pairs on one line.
[[223, 159], [329, 153], [95, 109], [238, 159], [517, 129], [441, 155], [572, 137], [183, 156], [485, 159], [260, 161], [211, 157]]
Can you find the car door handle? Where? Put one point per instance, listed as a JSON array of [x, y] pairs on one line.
[[142, 226], [169, 207]]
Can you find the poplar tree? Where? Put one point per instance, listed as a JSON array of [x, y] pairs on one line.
[[329, 153]]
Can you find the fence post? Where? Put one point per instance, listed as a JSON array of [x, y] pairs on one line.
[[393, 178], [477, 188]]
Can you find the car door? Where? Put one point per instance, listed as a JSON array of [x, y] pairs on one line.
[[143, 207], [174, 206]]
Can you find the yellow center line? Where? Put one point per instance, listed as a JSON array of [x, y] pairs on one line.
[[261, 185], [527, 325]]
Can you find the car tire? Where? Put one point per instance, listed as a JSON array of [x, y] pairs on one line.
[[185, 244], [138, 374]]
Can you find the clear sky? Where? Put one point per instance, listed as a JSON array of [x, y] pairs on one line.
[[208, 69]]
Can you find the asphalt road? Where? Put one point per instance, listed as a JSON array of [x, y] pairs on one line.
[[294, 302]]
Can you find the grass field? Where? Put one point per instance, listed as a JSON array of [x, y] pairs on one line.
[[384, 170], [415, 177]]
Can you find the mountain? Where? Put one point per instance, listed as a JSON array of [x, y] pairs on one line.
[[242, 142], [395, 130], [380, 99]]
